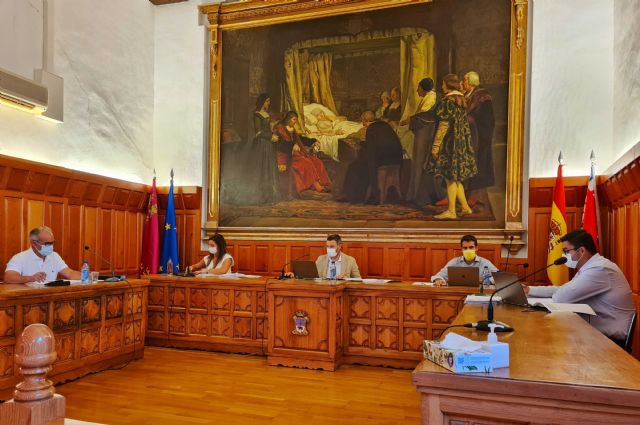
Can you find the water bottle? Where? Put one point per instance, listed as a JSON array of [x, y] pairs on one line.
[[84, 272], [332, 270], [169, 266], [486, 277]]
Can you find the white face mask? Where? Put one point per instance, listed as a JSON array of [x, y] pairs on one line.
[[213, 250], [46, 250], [572, 264], [331, 252]]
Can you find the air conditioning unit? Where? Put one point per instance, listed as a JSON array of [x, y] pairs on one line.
[[22, 93]]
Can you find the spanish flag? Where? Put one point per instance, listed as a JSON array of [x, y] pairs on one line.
[[558, 275]]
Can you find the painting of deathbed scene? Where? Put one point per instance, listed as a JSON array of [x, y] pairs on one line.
[[394, 118]]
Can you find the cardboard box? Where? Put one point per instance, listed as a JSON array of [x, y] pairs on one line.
[[458, 361]]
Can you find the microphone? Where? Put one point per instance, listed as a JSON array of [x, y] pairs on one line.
[[113, 277], [282, 276], [483, 325], [506, 264]]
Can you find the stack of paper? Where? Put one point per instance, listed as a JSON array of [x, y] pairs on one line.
[[481, 299], [559, 307]]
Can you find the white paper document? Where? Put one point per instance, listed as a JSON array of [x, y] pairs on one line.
[[230, 275], [557, 307], [481, 299], [369, 281]]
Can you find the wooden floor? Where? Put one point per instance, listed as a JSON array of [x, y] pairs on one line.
[[192, 387]]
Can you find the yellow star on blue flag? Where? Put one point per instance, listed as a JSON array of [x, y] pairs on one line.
[[170, 242]]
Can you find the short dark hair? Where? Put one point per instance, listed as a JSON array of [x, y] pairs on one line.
[[580, 238], [288, 117], [451, 81], [335, 237], [426, 84], [469, 238], [221, 243]]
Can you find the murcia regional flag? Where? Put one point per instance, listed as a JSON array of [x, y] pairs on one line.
[[558, 275]]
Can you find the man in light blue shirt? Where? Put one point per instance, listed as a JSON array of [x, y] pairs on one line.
[[469, 258], [598, 282]]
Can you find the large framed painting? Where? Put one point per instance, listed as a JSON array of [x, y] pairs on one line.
[[384, 119]]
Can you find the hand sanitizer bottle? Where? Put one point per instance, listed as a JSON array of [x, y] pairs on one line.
[[499, 350]]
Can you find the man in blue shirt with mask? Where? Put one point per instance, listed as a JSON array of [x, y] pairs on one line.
[[38, 263], [469, 258]]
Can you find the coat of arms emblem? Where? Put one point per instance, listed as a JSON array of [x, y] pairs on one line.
[[300, 320]]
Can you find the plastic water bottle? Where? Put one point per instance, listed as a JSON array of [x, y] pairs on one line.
[[169, 266], [84, 272], [486, 277], [332, 270]]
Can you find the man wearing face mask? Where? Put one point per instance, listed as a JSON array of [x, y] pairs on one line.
[[598, 282], [336, 262], [38, 263], [469, 258]]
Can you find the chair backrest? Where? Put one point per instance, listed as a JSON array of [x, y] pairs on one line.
[[629, 340]]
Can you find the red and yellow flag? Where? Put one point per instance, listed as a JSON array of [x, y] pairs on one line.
[[151, 238], [558, 275]]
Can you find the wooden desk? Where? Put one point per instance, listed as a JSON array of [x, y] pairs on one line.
[[353, 323], [207, 313], [96, 326], [562, 371]]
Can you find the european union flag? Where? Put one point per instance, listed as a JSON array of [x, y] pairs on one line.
[[170, 242]]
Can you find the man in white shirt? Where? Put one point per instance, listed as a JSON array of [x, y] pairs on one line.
[[598, 282], [38, 263], [469, 258], [345, 265]]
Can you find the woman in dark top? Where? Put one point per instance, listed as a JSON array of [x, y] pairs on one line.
[[264, 149]]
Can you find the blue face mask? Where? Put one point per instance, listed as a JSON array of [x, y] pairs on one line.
[[46, 250]]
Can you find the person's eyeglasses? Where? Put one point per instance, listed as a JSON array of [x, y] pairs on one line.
[[46, 243], [566, 251]]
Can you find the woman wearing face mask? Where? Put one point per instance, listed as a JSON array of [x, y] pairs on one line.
[[218, 261]]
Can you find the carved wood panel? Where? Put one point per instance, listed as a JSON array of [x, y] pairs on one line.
[[177, 323], [35, 313], [198, 324], [415, 309], [413, 339], [261, 302], [133, 332], [220, 299], [386, 308], [316, 309], [360, 307], [90, 309], [156, 320], [220, 325], [242, 300], [89, 342], [156, 296], [444, 311], [7, 321], [242, 327], [112, 337], [6, 360], [177, 297], [387, 337], [134, 302], [199, 298], [65, 314], [461, 420], [262, 327], [65, 346], [114, 306], [359, 335]]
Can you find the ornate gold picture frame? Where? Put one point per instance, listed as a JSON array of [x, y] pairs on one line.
[[223, 18]]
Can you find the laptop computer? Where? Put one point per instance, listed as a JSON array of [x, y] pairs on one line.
[[464, 276], [305, 269], [513, 294]]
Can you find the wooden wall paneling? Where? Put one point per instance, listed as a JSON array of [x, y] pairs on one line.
[[54, 217], [278, 257], [262, 258], [118, 250], [90, 235], [35, 214], [105, 239], [75, 235], [14, 228]]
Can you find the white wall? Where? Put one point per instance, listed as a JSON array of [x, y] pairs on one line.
[[179, 93], [104, 51], [626, 74], [571, 103]]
